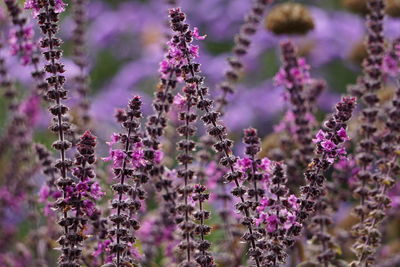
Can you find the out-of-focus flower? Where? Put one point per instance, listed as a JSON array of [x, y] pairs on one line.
[[289, 18]]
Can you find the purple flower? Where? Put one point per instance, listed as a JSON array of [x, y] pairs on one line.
[[116, 156], [179, 100], [31, 108], [293, 200], [297, 75], [60, 6], [243, 164], [343, 134], [319, 137], [138, 156], [102, 248], [22, 44], [272, 223], [44, 193], [34, 5], [390, 65], [88, 207], [265, 164], [328, 145], [196, 34], [115, 138], [159, 155]]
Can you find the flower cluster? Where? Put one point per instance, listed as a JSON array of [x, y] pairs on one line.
[[329, 149], [277, 213], [184, 51], [80, 200], [47, 17], [388, 168], [127, 164], [371, 83], [294, 75], [215, 128], [186, 146]]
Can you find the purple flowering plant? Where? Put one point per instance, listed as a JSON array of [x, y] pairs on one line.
[[251, 135]]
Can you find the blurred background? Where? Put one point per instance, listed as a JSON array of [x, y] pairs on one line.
[[125, 45]]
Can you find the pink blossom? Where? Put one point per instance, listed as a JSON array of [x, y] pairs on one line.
[[292, 199], [265, 164], [88, 207], [280, 79], [390, 65], [44, 193], [261, 219], [82, 187], [34, 5], [115, 138], [102, 247], [159, 155], [95, 191], [319, 137], [164, 68], [243, 164], [31, 108], [328, 145], [175, 53], [116, 156], [179, 100], [341, 152], [138, 158], [194, 51], [343, 134], [272, 223], [22, 45], [196, 34], [60, 6]]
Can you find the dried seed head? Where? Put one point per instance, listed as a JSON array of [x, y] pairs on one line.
[[393, 8], [360, 7], [356, 6], [289, 18], [358, 53]]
